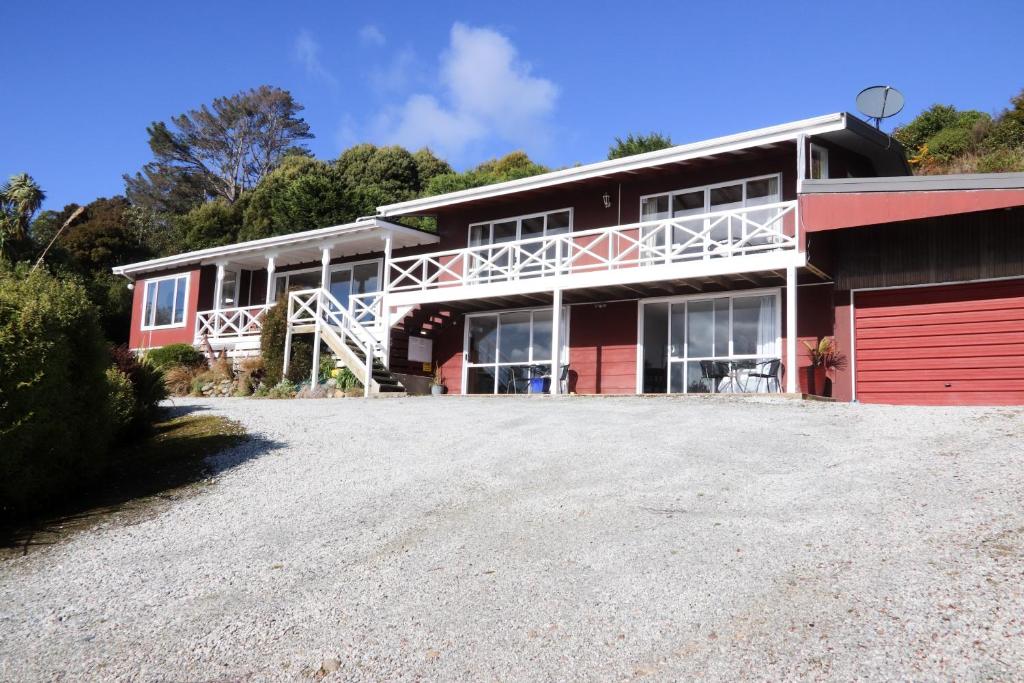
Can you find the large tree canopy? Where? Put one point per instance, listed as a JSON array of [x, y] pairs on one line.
[[220, 150], [512, 166], [20, 198], [638, 143]]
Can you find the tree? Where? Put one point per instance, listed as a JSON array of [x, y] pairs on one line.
[[218, 151], [637, 143], [20, 198], [512, 166], [301, 194], [212, 224]]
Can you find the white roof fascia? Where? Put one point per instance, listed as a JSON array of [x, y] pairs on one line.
[[270, 244], [720, 145]]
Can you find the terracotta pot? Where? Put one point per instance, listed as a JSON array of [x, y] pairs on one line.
[[816, 380]]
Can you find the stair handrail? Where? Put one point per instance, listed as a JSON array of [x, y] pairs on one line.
[[324, 309]]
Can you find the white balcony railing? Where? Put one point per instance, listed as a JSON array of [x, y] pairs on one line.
[[718, 235], [246, 321]]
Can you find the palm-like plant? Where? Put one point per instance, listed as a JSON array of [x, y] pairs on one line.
[[20, 198], [825, 354]]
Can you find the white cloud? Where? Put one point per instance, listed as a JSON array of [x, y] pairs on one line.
[[307, 52], [371, 35], [396, 75], [486, 91]]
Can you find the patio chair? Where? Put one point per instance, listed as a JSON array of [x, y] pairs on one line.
[[768, 371], [714, 370]]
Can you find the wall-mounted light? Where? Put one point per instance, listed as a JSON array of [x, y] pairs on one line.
[[131, 286], [607, 199]]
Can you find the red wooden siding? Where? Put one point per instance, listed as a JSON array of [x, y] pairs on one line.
[[602, 348], [942, 345], [148, 339]]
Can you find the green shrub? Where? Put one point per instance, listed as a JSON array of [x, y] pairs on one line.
[[1002, 161], [175, 354], [121, 399], [147, 384], [55, 424], [949, 143], [283, 389], [272, 336]]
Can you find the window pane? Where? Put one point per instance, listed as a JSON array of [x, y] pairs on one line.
[[533, 227], [700, 329], [480, 380], [341, 285], [150, 302], [676, 383], [677, 341], [179, 300], [558, 222], [280, 286], [753, 325], [766, 189], [505, 231], [229, 289], [654, 208], [655, 378], [515, 337], [541, 336], [365, 278], [688, 203], [696, 383], [479, 235], [164, 302], [724, 197], [722, 327], [483, 337]]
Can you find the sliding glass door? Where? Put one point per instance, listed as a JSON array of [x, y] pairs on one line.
[[505, 350], [709, 343]]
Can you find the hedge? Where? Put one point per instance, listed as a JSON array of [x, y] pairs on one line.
[[168, 356], [55, 416]]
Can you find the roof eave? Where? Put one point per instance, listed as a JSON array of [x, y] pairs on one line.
[[761, 136]]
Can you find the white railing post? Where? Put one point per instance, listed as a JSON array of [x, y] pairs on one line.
[[315, 372], [325, 268], [218, 293], [791, 341]]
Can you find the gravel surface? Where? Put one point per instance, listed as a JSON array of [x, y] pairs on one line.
[[553, 539]]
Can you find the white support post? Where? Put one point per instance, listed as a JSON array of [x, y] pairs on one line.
[[325, 269], [369, 374], [556, 343], [801, 162], [791, 340], [271, 267], [315, 372], [287, 351], [218, 288], [385, 309]]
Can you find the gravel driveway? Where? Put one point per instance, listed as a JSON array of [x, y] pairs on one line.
[[553, 539]]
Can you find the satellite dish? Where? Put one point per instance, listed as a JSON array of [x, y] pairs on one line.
[[880, 102]]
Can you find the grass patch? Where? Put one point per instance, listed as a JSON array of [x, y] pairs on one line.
[[160, 467]]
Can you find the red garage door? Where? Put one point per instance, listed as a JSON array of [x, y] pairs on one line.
[[943, 345]]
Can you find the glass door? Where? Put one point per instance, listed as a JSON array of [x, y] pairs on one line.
[[352, 279], [505, 350], [708, 344]]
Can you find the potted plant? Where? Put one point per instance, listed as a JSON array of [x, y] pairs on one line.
[[437, 386], [825, 357]]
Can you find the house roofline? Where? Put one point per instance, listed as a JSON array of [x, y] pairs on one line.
[[753, 138], [922, 183], [216, 253]]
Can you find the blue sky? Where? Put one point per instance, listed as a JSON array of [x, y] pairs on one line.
[[475, 80]]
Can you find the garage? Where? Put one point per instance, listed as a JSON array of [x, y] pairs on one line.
[[940, 345]]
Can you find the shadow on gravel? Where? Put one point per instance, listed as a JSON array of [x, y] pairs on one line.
[[178, 460]]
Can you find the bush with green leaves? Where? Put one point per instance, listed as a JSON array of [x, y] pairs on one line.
[[165, 357], [121, 399], [272, 337], [55, 421], [148, 386]]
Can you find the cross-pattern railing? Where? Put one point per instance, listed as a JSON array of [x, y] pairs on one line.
[[319, 308], [716, 235], [246, 321]]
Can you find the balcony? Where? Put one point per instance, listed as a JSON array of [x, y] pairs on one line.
[[734, 241]]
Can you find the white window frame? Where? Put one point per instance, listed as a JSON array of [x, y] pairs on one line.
[[824, 162], [146, 325], [519, 225], [564, 342], [234, 295], [705, 296], [334, 266], [707, 192]]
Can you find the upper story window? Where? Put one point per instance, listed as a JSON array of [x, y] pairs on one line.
[[734, 194], [520, 227], [164, 302], [819, 162]]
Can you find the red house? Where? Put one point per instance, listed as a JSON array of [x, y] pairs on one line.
[[698, 268]]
